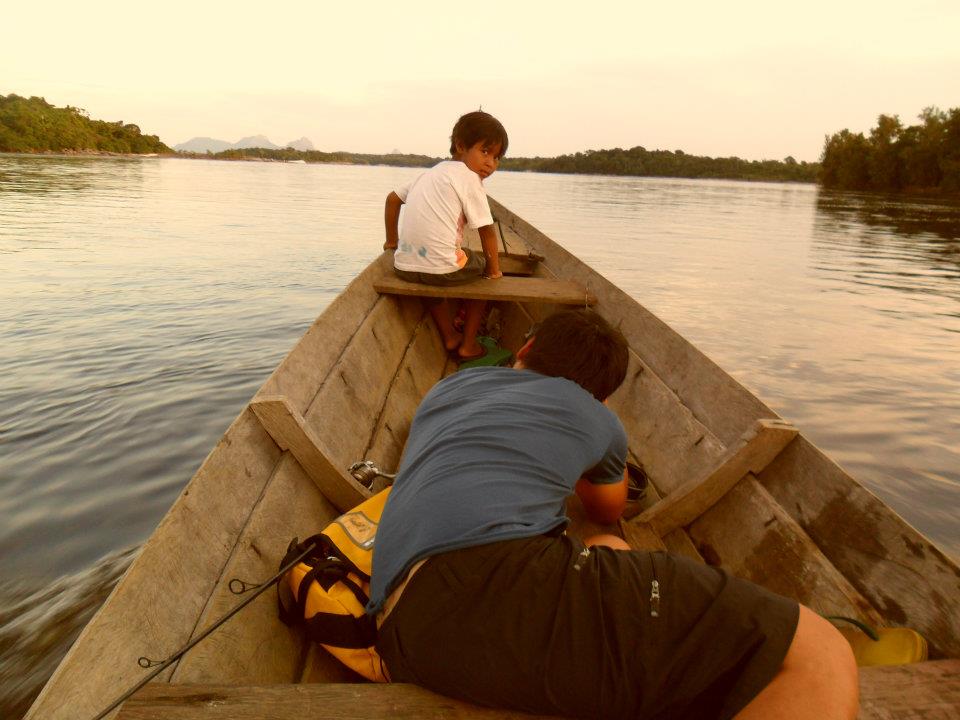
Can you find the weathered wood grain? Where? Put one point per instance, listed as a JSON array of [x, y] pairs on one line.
[[750, 535], [902, 573], [670, 443], [324, 701], [347, 405], [518, 289], [519, 261], [921, 691], [288, 429], [756, 448], [422, 366], [156, 605], [254, 646], [641, 536], [306, 366]]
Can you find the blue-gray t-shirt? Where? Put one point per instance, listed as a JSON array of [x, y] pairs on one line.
[[492, 455]]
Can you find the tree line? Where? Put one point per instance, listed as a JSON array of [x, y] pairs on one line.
[[664, 163], [34, 125], [316, 156], [895, 158], [636, 161]]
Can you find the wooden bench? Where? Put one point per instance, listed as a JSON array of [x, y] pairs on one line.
[[290, 432], [516, 289], [755, 450], [922, 691]]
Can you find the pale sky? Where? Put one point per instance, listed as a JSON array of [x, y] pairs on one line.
[[748, 78]]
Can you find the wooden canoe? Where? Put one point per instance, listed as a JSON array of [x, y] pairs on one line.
[[741, 489]]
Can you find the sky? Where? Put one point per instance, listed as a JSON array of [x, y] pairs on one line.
[[759, 80]]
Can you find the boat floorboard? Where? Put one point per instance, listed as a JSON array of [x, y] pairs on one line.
[[923, 691]]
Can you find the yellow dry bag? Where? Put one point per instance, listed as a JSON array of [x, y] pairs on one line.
[[330, 587]]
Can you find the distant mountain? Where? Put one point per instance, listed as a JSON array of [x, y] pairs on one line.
[[202, 145], [255, 141], [212, 145], [303, 144]]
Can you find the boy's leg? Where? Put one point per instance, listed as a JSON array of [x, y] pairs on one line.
[[440, 311], [474, 315], [818, 680]]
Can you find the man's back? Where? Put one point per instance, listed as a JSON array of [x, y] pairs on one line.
[[492, 455]]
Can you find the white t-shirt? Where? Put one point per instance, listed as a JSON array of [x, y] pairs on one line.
[[437, 205]]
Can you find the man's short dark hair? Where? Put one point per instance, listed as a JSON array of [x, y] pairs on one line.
[[581, 346], [475, 127]]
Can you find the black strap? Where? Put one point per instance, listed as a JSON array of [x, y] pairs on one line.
[[343, 631], [338, 630]]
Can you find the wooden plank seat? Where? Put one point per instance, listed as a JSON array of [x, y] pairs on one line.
[[519, 264], [517, 289], [921, 691], [290, 432], [755, 450]]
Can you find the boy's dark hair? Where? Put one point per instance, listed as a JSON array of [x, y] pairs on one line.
[[581, 346], [475, 127]]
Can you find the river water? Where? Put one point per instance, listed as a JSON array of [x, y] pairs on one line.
[[143, 302]]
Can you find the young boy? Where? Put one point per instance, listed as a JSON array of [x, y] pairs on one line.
[[439, 203]]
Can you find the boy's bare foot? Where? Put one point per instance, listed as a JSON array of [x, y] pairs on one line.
[[471, 351], [453, 342]]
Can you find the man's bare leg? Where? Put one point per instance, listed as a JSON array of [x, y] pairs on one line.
[[818, 680]]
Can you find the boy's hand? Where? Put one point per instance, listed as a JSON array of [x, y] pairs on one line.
[[391, 220]]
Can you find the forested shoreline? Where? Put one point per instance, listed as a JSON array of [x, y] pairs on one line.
[[922, 158], [637, 162], [31, 125], [664, 163]]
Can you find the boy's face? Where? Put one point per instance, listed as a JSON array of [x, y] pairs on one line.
[[482, 159]]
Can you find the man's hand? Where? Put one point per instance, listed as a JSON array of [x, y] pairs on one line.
[[604, 503]]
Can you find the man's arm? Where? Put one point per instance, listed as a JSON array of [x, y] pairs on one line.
[[391, 220], [603, 502], [491, 250]]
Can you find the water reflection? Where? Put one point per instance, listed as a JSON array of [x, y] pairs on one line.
[[64, 175], [894, 215], [144, 301], [909, 246]]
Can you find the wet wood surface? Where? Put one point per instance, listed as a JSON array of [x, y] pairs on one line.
[[922, 691], [519, 289], [324, 701]]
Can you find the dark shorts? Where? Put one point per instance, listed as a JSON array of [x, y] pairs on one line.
[[476, 264], [534, 625]]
